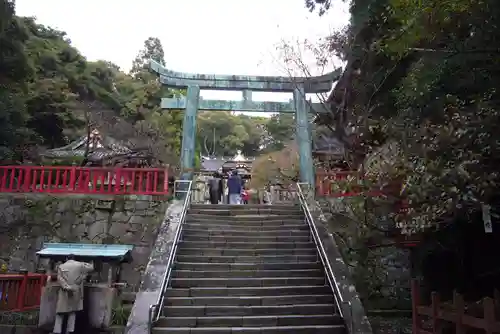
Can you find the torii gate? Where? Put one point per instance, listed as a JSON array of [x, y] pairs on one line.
[[299, 86]]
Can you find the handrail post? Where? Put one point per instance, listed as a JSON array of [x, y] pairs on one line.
[[72, 177], [348, 316], [26, 178], [21, 297], [183, 184], [165, 180], [116, 177], [150, 318]]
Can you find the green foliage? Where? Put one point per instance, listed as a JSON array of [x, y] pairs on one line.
[[276, 167], [15, 71], [50, 94], [221, 133], [120, 314], [281, 129], [426, 73], [153, 50]]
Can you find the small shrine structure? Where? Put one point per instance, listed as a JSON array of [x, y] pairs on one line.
[[210, 165], [224, 165], [329, 153], [98, 150], [331, 164], [102, 287], [241, 164]]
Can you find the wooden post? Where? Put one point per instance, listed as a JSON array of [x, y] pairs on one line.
[[165, 180], [489, 315], [459, 306], [72, 177], [415, 303], [117, 178], [435, 305], [118, 273], [21, 296], [110, 276], [27, 178], [52, 270]]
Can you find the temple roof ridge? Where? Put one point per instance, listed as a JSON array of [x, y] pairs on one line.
[[99, 145]]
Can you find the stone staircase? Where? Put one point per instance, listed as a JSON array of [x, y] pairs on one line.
[[248, 269]]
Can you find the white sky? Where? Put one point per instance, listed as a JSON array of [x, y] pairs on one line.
[[202, 36]]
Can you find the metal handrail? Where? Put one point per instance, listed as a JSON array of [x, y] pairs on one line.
[[155, 309], [339, 301]]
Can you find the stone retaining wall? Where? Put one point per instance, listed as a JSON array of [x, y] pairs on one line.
[[27, 221]]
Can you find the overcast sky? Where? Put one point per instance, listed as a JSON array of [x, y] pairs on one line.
[[202, 36]]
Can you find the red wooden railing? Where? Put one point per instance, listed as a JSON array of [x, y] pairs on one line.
[[21, 292], [83, 180], [454, 316]]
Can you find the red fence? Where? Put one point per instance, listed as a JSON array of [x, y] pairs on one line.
[[457, 316], [21, 292], [83, 180]]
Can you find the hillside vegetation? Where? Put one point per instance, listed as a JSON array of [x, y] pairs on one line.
[[423, 75], [50, 94]]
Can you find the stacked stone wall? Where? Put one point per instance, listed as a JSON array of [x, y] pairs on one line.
[[27, 221]]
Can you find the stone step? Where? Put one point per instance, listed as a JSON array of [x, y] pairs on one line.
[[245, 228], [267, 233], [314, 329], [200, 236], [247, 259], [245, 251], [247, 273], [250, 220], [251, 300], [248, 206], [242, 211], [246, 266], [207, 311], [246, 244], [281, 206], [235, 282], [251, 321], [249, 291]]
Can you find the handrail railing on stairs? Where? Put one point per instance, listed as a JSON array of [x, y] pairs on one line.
[[156, 309], [344, 307]]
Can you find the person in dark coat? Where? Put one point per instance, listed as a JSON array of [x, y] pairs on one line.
[[215, 189]]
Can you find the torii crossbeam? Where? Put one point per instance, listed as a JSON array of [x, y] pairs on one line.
[[299, 86]]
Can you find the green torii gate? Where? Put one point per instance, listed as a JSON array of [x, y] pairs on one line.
[[299, 86]]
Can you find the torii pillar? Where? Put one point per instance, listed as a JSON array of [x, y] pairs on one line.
[[299, 86], [189, 129]]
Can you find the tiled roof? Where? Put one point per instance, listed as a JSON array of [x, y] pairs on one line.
[[212, 165], [100, 147], [328, 145]]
